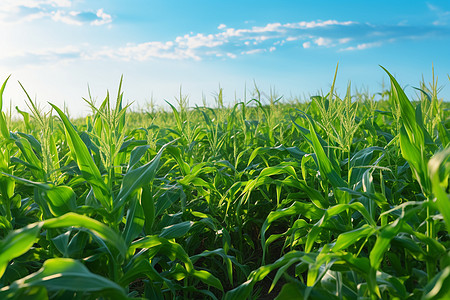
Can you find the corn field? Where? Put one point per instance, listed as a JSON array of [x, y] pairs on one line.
[[333, 198]]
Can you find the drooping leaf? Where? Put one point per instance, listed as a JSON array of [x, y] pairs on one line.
[[70, 275], [103, 231], [17, 243], [61, 200]]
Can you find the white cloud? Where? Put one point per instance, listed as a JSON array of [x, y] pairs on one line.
[[222, 26], [306, 45], [344, 40], [315, 24], [145, 51], [254, 51], [363, 46], [67, 18], [198, 40], [19, 11], [321, 41], [103, 18], [271, 27]]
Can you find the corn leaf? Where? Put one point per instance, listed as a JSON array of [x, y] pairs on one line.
[[85, 162], [106, 233], [17, 243], [59, 274], [137, 178]]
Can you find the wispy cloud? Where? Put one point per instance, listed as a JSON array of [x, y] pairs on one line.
[[362, 46], [19, 11], [79, 18], [442, 16], [229, 43]]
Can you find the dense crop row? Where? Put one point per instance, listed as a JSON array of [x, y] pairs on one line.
[[338, 198]]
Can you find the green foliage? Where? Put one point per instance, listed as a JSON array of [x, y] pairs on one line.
[[336, 198]]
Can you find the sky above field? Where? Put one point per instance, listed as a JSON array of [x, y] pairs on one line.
[[56, 48]]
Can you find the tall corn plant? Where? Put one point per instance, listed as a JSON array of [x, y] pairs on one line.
[[7, 184], [417, 146]]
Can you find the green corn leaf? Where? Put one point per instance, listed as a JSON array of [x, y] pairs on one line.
[[314, 195], [376, 255], [106, 233], [325, 166], [70, 275], [26, 117], [5, 223], [85, 162], [350, 237], [17, 243], [281, 271], [54, 153], [361, 158], [58, 199], [408, 114], [176, 230], [439, 171], [176, 114], [135, 220], [439, 286], [61, 200], [31, 293], [139, 268], [3, 126], [148, 207], [7, 185], [290, 291], [298, 208], [168, 198], [137, 178], [359, 264], [171, 249], [207, 278], [136, 154], [2, 89], [383, 242], [244, 290], [332, 211], [34, 143], [394, 285], [444, 135], [228, 260], [30, 157], [435, 248], [241, 292], [176, 153], [415, 158]]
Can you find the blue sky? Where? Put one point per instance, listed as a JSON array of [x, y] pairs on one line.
[[55, 48]]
